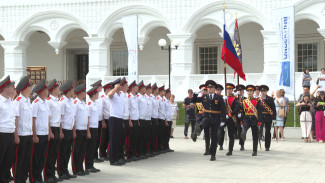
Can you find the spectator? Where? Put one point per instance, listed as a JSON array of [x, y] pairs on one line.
[[306, 92], [321, 78], [189, 113], [319, 107], [305, 118], [279, 123], [175, 113], [306, 78]]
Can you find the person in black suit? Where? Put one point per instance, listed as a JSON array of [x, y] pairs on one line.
[[214, 113]]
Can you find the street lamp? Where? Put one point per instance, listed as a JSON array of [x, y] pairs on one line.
[[162, 44]]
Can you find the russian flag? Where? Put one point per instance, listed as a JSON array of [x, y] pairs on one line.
[[229, 54]]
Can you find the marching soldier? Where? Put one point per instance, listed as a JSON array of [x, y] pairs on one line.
[[232, 107], [67, 117], [257, 92], [168, 108], [8, 130], [143, 128], [148, 120], [221, 130], [24, 124], [161, 119], [268, 114], [80, 131], [214, 114], [154, 120], [41, 131], [56, 128], [101, 120], [251, 107], [241, 90], [134, 119]]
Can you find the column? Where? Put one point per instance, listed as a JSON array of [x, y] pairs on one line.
[[321, 49], [99, 58], [15, 59], [271, 60]]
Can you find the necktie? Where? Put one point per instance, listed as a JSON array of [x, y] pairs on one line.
[[210, 97]]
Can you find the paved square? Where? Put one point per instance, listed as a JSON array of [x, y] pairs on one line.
[[291, 160]]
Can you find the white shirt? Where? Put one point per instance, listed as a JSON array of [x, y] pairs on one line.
[[93, 114], [23, 113], [67, 113], [99, 104], [149, 107], [81, 115], [174, 109], [168, 109], [211, 96], [54, 106], [161, 109], [155, 106], [117, 106], [42, 113], [106, 107], [142, 103], [126, 106], [133, 107], [7, 115]]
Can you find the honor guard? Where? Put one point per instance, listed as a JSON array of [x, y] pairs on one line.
[[143, 128], [56, 128], [134, 118], [214, 113], [232, 109], [268, 115], [240, 90], [105, 131], [257, 92], [8, 131], [168, 127], [80, 131], [154, 119], [24, 124], [161, 118], [116, 124], [251, 108], [101, 121], [93, 111], [41, 133], [221, 131], [148, 120], [67, 118]]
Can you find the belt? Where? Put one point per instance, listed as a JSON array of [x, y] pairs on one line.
[[201, 112], [214, 112], [266, 113], [249, 114]]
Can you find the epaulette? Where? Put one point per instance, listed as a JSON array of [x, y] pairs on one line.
[[36, 100], [48, 98], [129, 96], [137, 95], [61, 99], [102, 96], [157, 98], [75, 101], [18, 98], [89, 103], [164, 99], [120, 92]]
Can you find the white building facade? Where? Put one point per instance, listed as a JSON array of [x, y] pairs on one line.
[[84, 39]]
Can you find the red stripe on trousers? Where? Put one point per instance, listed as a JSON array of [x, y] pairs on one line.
[[31, 165], [58, 170], [47, 151], [72, 157], [100, 139], [14, 171]]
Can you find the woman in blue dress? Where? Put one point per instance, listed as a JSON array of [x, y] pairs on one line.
[[278, 123]]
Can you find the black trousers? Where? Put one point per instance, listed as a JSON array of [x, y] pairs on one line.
[[91, 148], [239, 130], [187, 123], [23, 157], [97, 143], [212, 124], [52, 154], [79, 151], [231, 126], [115, 139], [167, 134], [251, 122], [7, 151], [207, 139], [161, 131], [148, 137], [268, 126], [133, 139], [141, 137], [154, 135], [125, 135], [65, 148], [221, 135], [104, 139], [38, 158]]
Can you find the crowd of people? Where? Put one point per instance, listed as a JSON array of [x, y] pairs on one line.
[[120, 123]]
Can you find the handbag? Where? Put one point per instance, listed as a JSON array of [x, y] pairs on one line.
[[282, 112], [317, 82]]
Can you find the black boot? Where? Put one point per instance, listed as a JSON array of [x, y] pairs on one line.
[[207, 152], [229, 153], [254, 153], [242, 148], [213, 158]]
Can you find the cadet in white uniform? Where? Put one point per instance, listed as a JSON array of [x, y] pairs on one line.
[[161, 118], [154, 119], [148, 121], [7, 128], [142, 103], [126, 123], [168, 109]]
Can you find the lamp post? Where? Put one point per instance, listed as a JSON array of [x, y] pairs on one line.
[[162, 44]]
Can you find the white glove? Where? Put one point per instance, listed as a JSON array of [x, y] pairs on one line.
[[239, 115], [238, 92], [222, 123], [227, 116], [198, 91], [242, 126], [225, 98]]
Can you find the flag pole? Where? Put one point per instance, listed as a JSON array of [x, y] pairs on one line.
[[224, 63], [240, 59]]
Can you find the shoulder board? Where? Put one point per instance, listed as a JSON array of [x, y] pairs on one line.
[[119, 92], [164, 99], [137, 95], [150, 96], [157, 98], [36, 100], [48, 98], [102, 96], [75, 101], [18, 98], [61, 99], [89, 103], [129, 96]]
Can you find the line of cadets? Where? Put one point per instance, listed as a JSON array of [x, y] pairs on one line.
[[237, 113], [125, 123]]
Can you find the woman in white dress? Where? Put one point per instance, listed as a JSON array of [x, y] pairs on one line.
[[321, 78], [175, 113], [278, 123], [305, 118]]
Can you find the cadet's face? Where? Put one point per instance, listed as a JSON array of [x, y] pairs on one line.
[[136, 88], [205, 92], [211, 90], [167, 95], [242, 93], [143, 90], [250, 93], [125, 87], [99, 89], [229, 91], [28, 90], [218, 92], [56, 91]]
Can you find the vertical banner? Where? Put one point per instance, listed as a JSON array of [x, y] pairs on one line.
[[130, 28], [285, 25]]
